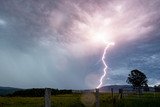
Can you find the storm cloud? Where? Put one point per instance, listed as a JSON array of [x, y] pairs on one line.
[[43, 43]]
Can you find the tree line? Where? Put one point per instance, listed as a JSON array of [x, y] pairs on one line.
[[38, 92], [157, 88]]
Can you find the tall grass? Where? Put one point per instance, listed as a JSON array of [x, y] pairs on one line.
[[74, 100]]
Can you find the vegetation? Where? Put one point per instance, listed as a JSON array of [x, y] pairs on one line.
[[157, 88], [7, 90], [76, 100], [37, 92], [138, 79]]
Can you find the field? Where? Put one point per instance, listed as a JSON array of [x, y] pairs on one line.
[[82, 100]]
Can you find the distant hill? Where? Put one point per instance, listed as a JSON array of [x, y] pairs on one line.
[[117, 87], [107, 88], [7, 90]]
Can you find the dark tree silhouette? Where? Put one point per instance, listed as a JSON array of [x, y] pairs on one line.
[[157, 88], [37, 92], [138, 79], [146, 88]]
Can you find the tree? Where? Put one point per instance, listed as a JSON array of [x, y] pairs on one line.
[[157, 88], [138, 79], [146, 88]]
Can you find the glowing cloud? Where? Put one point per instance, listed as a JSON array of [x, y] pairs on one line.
[[99, 26], [112, 22]]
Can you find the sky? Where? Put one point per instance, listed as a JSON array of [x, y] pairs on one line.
[[59, 43]]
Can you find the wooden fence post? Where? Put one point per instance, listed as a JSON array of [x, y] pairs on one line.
[[112, 92], [47, 97], [121, 93], [97, 98]]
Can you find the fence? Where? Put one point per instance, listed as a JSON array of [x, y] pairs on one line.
[[98, 99]]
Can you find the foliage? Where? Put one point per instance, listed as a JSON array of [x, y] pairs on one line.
[[146, 88], [137, 79], [157, 88], [7, 90], [38, 92]]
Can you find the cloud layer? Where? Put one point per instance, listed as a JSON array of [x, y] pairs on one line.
[[49, 43]]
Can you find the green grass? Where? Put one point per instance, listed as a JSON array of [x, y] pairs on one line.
[[21, 102], [82, 100]]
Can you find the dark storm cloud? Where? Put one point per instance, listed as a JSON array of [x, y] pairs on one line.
[[143, 55], [38, 49]]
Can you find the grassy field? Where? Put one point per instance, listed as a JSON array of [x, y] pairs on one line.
[[82, 100]]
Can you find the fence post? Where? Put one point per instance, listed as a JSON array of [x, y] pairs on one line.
[[97, 97], [154, 93], [112, 92], [47, 97], [121, 93]]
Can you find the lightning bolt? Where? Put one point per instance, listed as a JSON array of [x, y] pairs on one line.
[[104, 63]]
